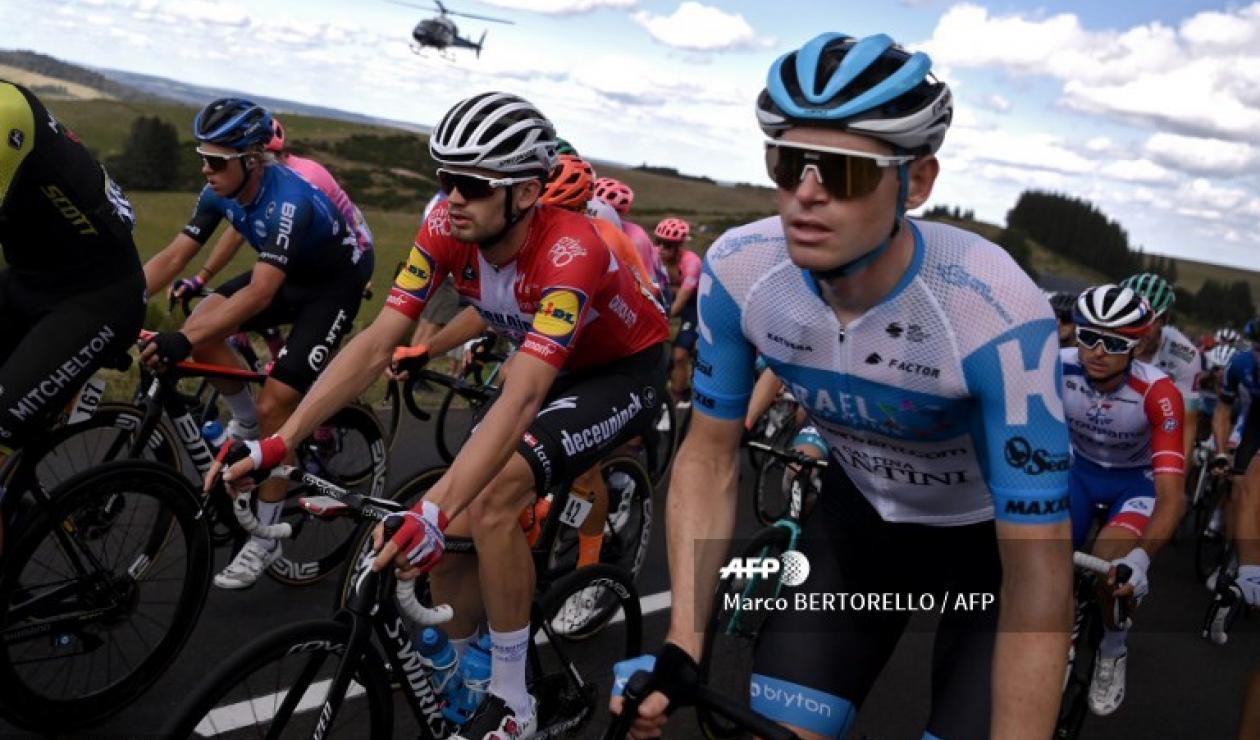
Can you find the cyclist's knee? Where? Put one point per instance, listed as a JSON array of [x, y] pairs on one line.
[[499, 505], [274, 408]]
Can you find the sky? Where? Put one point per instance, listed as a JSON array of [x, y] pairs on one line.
[[1149, 110]]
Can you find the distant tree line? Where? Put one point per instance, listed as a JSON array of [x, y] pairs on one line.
[[956, 213], [51, 67], [671, 172]]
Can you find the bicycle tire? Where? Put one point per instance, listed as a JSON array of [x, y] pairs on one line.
[[660, 445], [209, 705], [318, 547], [106, 435], [726, 664], [407, 494], [58, 617], [393, 417], [449, 434], [1208, 551]]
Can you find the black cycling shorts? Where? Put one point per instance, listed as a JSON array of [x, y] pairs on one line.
[[321, 316], [816, 667], [51, 343], [1250, 441], [689, 321], [589, 413]]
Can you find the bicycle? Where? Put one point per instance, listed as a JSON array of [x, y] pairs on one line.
[[1086, 633], [99, 590], [714, 703], [627, 533], [1226, 606], [781, 489], [326, 665], [733, 629], [1212, 548]]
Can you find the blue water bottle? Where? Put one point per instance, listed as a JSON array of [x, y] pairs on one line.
[[473, 682], [434, 646], [214, 433]]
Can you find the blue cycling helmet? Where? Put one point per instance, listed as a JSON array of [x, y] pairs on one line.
[[1251, 331], [871, 87], [233, 122]]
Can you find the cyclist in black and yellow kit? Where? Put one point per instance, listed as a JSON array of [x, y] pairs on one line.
[[71, 292]]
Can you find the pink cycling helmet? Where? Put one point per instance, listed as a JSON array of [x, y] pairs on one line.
[[277, 137], [673, 230], [615, 193]]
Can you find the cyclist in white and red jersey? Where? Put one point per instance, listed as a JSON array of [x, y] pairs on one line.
[[1125, 419], [314, 173], [592, 352], [683, 268]]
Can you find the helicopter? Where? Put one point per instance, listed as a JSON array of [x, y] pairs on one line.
[[440, 31]]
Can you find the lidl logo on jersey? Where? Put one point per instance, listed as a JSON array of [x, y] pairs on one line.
[[557, 314], [417, 274]]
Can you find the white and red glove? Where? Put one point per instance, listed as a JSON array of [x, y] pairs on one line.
[[420, 536]]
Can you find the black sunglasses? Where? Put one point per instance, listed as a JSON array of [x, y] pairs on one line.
[[219, 162], [474, 187], [845, 173], [1113, 344]]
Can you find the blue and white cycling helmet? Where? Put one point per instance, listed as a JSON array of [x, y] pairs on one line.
[[233, 122], [871, 87]]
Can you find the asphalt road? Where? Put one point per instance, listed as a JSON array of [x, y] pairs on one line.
[[1179, 685]]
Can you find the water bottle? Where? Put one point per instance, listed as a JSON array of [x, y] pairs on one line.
[[214, 433], [434, 646], [474, 673]]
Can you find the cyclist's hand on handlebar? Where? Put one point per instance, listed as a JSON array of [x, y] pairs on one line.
[[165, 349], [675, 676], [1221, 464], [1137, 586], [407, 359], [187, 287], [653, 713], [245, 463], [418, 543]]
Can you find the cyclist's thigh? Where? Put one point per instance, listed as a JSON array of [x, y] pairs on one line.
[[281, 310], [962, 654], [1250, 441], [1089, 485], [322, 317], [1135, 503], [813, 667], [588, 415], [62, 348]]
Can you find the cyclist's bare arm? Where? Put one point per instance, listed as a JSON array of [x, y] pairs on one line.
[[167, 264], [1221, 425], [264, 283], [487, 452], [680, 301], [351, 372], [768, 386], [1030, 655], [224, 250], [700, 509], [1170, 505], [466, 325]]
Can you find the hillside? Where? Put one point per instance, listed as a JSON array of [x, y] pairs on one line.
[[80, 82]]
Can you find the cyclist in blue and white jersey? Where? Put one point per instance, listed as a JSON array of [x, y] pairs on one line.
[[1243, 375], [310, 273], [928, 360]]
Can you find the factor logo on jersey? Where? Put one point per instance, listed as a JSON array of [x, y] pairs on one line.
[[417, 273], [557, 314]]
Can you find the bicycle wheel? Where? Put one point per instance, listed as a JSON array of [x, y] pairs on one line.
[[660, 445], [731, 637], [562, 615], [351, 453], [392, 405], [274, 687], [408, 494], [98, 596], [456, 418], [108, 434]]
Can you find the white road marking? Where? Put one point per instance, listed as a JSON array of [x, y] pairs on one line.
[[262, 709]]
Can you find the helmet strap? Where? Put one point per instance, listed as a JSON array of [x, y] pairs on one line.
[[861, 263], [245, 175], [511, 217]]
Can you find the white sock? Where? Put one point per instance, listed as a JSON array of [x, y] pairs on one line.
[[242, 406], [268, 514], [1112, 643], [507, 669]]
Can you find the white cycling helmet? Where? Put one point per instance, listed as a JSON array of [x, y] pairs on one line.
[[1227, 335], [496, 131], [1115, 309]]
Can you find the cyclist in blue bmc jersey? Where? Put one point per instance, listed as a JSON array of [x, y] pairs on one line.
[[928, 362], [310, 273], [1243, 373]]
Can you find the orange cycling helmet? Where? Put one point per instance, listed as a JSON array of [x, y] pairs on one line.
[[615, 193], [571, 185], [673, 230]]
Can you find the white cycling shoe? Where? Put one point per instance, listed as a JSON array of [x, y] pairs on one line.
[[247, 566], [494, 721], [1106, 689]]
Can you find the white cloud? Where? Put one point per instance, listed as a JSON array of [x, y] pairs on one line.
[[1201, 193], [702, 28], [1202, 156], [1137, 170], [1100, 144], [560, 7], [997, 103], [1030, 150]]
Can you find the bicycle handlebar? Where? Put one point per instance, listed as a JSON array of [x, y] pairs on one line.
[[791, 456], [1098, 566], [640, 686]]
